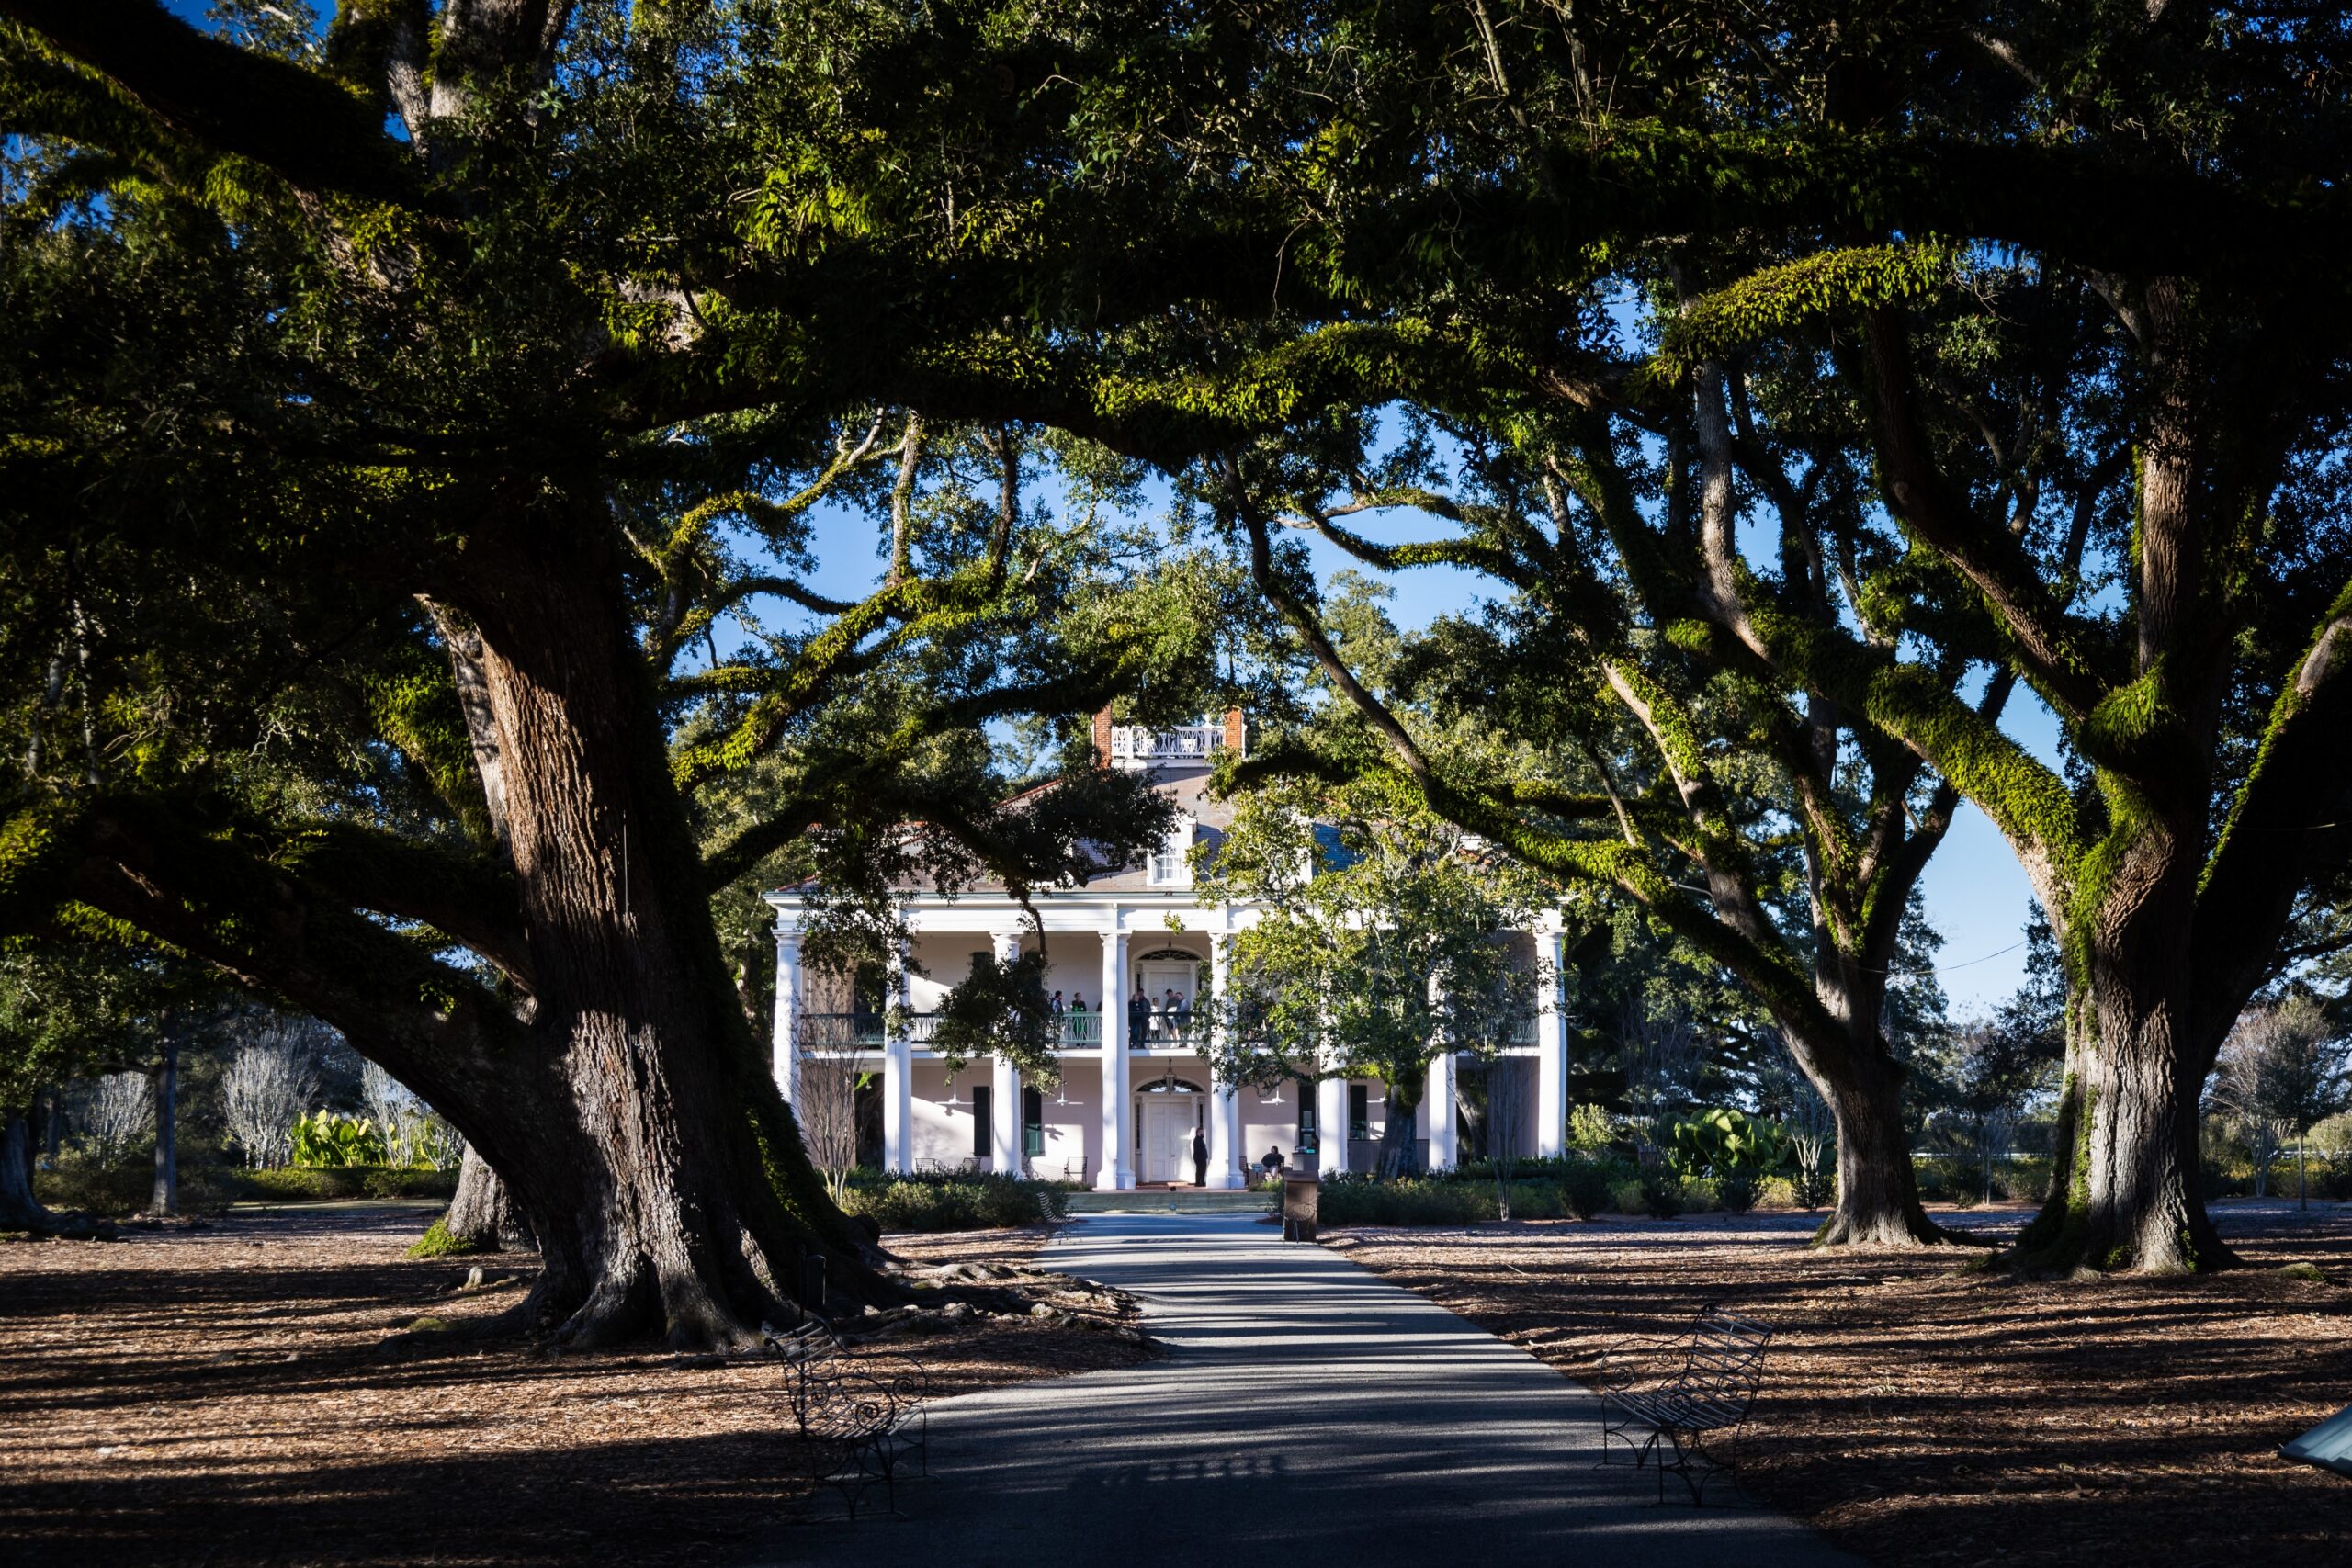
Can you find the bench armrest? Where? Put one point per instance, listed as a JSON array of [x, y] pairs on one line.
[[1615, 1367]]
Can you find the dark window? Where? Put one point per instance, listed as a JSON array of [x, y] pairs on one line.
[[1359, 1111], [982, 1095], [1033, 1122], [1308, 1140]]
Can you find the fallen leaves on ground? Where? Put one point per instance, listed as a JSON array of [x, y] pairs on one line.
[[247, 1393], [1919, 1407]]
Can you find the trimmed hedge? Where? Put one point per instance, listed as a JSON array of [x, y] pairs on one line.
[[110, 1194], [917, 1204], [205, 1188], [317, 1184]]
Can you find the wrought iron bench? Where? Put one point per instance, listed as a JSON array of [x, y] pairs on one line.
[[860, 1425], [1682, 1412]]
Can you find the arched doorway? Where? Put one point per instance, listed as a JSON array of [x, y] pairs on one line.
[[1168, 1109], [1168, 972]]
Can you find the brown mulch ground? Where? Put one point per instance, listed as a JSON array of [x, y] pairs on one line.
[[1920, 1410], [235, 1395]]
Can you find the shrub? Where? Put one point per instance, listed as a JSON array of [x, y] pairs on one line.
[[329, 1140], [1736, 1193], [1660, 1193], [955, 1202], [1936, 1181], [1589, 1129], [125, 1190], [319, 1184], [1625, 1196], [1777, 1193], [1585, 1188], [1445, 1200], [1409, 1200], [1719, 1140], [94, 1188], [1699, 1195]]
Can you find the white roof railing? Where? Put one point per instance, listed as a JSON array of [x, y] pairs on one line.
[[1195, 742]]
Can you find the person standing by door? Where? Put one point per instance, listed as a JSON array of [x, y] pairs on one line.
[[1200, 1159]]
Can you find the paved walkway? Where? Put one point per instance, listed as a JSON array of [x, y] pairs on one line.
[[1307, 1412]]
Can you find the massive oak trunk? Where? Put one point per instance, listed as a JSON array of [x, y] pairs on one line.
[[650, 1154], [1877, 1202], [19, 1210], [2124, 1181], [481, 1216]]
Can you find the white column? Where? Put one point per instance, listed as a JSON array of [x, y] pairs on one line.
[[1551, 1052], [1118, 1172], [897, 1068], [1225, 1099], [1437, 1111], [1004, 1083], [1331, 1125], [787, 1010]]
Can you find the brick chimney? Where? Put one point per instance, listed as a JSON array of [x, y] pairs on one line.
[[1236, 732], [1103, 739]]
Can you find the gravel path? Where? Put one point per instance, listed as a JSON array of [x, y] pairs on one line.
[[1307, 1411]]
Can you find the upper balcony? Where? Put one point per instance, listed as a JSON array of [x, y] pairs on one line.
[[1134, 746]]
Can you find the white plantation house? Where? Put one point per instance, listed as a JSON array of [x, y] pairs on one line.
[[1135, 961]]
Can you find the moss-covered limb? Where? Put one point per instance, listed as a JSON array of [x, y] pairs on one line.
[[1743, 941], [1771, 301], [469, 896], [420, 713], [1766, 966], [2281, 834], [299, 123], [2030, 804], [1595, 476], [1471, 554], [894, 616], [2072, 199], [2058, 651], [716, 605], [1302, 621], [139, 867]]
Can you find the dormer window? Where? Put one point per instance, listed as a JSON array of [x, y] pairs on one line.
[[1173, 865]]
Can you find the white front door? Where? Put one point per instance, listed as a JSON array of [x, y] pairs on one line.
[[1168, 1122]]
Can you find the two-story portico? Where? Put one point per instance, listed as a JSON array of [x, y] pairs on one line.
[[1137, 964]]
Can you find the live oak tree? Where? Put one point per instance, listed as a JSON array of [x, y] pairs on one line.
[[2073, 269], [420, 440], [1636, 748]]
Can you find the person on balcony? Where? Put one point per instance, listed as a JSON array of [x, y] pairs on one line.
[[1176, 1012], [1138, 1018]]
